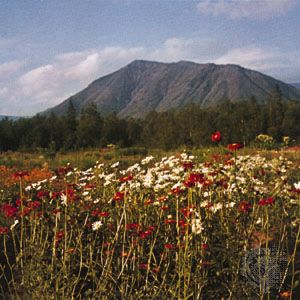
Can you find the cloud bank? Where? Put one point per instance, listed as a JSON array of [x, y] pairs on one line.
[[249, 9]]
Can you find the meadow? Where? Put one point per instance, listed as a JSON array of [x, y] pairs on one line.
[[203, 223]]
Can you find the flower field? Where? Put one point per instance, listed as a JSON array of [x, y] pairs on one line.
[[170, 228]]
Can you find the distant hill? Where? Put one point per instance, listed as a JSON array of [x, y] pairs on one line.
[[9, 117], [143, 86], [296, 85]]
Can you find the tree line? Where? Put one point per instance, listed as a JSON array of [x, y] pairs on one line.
[[190, 126]]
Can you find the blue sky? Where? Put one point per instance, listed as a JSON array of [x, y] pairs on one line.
[[52, 49]]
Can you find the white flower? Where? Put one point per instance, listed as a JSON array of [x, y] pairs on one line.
[[147, 160], [197, 226], [96, 225], [297, 185], [64, 199], [13, 225], [115, 165]]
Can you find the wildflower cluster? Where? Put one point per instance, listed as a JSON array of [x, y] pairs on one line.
[[160, 228]]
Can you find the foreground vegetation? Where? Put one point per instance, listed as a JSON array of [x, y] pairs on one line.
[[177, 227]]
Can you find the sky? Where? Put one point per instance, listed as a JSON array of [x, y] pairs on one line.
[[51, 49]]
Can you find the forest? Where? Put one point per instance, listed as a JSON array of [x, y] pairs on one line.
[[191, 126]]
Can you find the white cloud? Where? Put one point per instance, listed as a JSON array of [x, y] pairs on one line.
[[10, 67], [251, 57], [251, 9], [3, 91]]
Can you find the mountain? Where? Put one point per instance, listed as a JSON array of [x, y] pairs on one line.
[[296, 85], [143, 86], [12, 118]]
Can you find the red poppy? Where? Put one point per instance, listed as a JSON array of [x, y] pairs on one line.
[[234, 147], [187, 165], [186, 211], [216, 137], [196, 177], [21, 174], [62, 171], [132, 226], [204, 246], [143, 266], [41, 194], [170, 246], [89, 186], [189, 183], [266, 201], [182, 223], [285, 294], [170, 221], [34, 204], [104, 214], [4, 230], [55, 195], [126, 178], [118, 196], [177, 191], [148, 202], [145, 234], [9, 210], [244, 206]]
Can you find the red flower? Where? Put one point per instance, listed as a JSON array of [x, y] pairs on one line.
[[62, 171], [4, 230], [204, 246], [285, 294], [170, 221], [244, 206], [21, 174], [188, 165], [104, 214], [177, 191], [143, 266], [189, 183], [186, 211], [34, 204], [145, 234], [170, 246], [118, 196], [162, 198], [58, 237], [55, 195], [9, 210], [89, 186], [182, 223], [41, 194], [148, 202], [196, 177], [216, 137], [26, 210], [126, 178], [234, 147], [266, 201], [132, 226]]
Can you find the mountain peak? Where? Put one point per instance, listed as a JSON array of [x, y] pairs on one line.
[[143, 86]]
